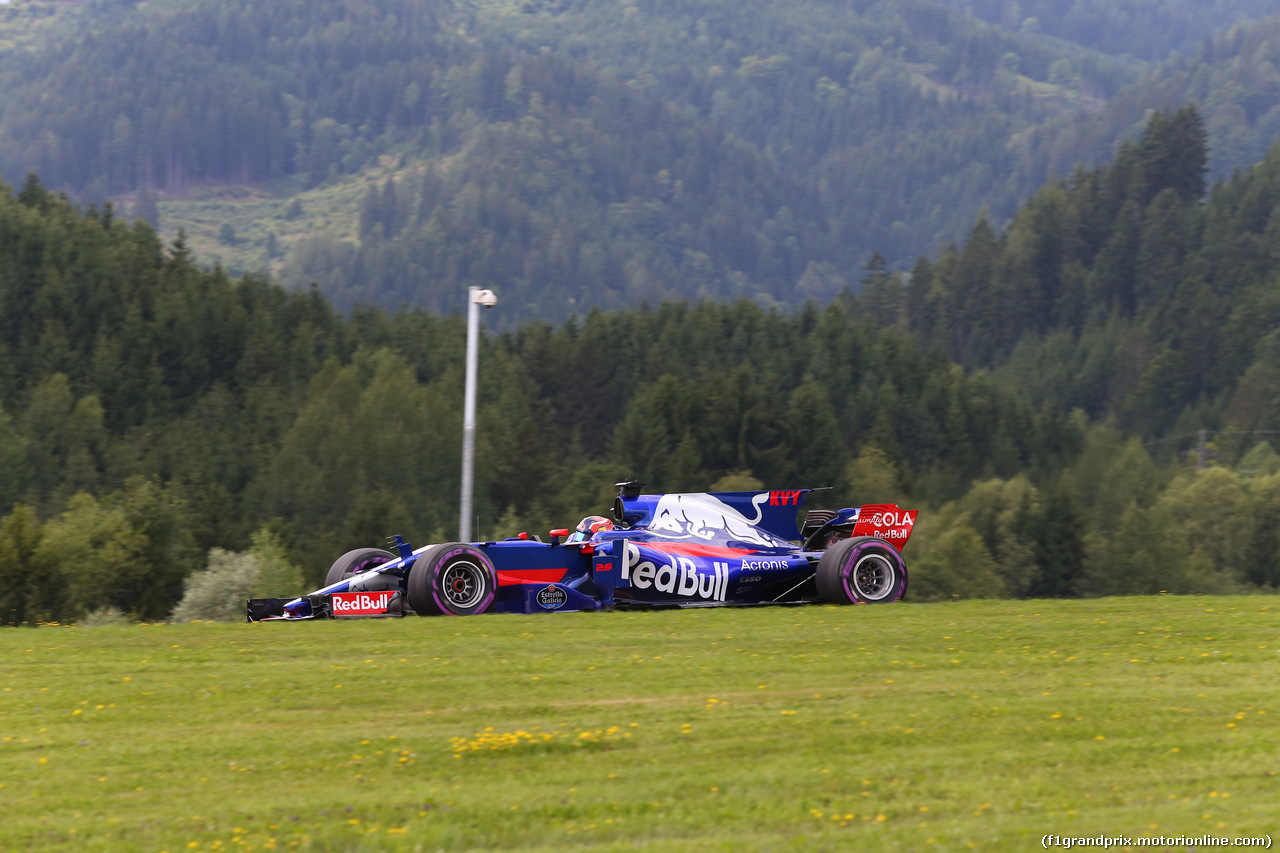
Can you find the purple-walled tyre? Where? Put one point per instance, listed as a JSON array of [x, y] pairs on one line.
[[863, 570], [453, 579], [357, 561]]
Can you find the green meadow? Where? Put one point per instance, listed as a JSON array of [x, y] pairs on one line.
[[954, 726]]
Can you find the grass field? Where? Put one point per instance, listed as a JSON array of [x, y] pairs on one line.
[[979, 725]]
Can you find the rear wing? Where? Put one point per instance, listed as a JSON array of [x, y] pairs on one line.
[[889, 522]]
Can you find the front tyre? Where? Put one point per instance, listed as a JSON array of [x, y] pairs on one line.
[[864, 570], [354, 562], [453, 579]]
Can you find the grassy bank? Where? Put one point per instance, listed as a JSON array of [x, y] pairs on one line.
[[949, 726]]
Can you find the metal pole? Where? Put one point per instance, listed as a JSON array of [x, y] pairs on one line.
[[469, 416]]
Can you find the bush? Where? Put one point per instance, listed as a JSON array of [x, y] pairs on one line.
[[218, 593], [737, 481], [103, 616], [131, 550], [29, 591], [276, 575], [954, 564]]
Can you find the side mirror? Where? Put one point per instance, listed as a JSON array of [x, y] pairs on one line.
[[558, 534]]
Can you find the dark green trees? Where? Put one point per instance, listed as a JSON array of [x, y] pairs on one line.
[[1120, 281], [151, 410]]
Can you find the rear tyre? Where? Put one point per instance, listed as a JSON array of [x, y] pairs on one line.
[[454, 579], [864, 570], [354, 562]]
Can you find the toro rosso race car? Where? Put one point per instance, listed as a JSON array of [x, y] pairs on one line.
[[674, 550]]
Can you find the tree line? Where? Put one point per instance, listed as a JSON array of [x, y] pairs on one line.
[[151, 411], [154, 410], [1118, 290]]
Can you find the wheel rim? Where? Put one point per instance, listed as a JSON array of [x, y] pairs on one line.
[[872, 577], [463, 584]]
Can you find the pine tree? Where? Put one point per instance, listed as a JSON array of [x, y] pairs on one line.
[[33, 193], [389, 208], [875, 270], [1059, 548], [370, 214], [20, 578], [147, 210], [1174, 154]]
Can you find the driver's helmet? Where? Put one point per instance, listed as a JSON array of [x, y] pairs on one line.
[[588, 527]]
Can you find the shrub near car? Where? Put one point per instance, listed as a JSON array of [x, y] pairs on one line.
[[705, 549]]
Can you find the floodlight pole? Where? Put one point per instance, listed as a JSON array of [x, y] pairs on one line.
[[475, 298]]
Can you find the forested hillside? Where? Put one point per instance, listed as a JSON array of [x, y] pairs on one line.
[[1118, 291], [597, 153], [1232, 79], [197, 407], [1030, 390], [625, 151], [1150, 30]]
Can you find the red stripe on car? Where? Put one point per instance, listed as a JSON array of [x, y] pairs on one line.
[[517, 576], [689, 549]]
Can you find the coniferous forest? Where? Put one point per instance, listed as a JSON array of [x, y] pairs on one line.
[[1035, 390], [1014, 264], [593, 152]]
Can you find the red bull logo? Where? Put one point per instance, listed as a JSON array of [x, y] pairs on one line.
[[360, 603], [681, 576]]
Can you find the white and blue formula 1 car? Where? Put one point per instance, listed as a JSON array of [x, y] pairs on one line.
[[711, 549]]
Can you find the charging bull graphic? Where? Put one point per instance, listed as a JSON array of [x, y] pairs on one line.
[[706, 517]]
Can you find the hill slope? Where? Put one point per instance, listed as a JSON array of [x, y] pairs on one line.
[[1114, 299], [1150, 30], [627, 151]]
